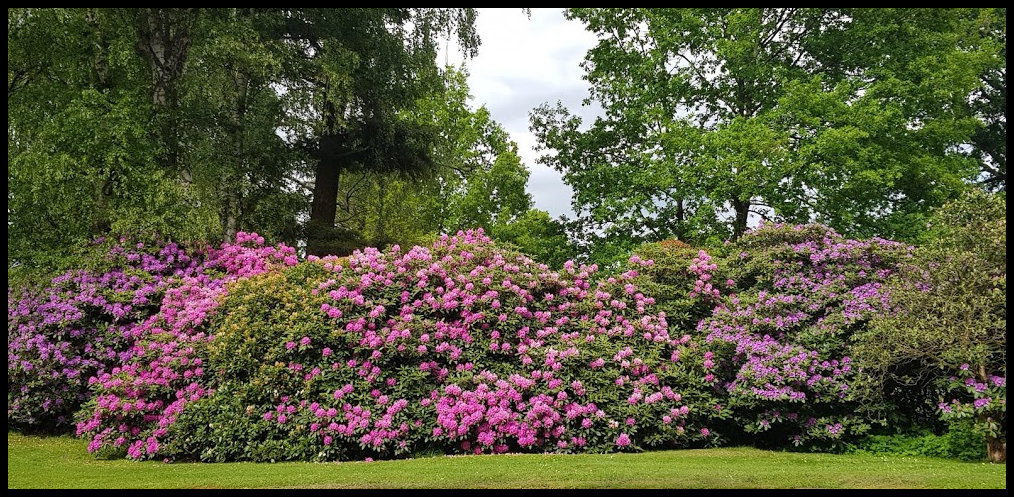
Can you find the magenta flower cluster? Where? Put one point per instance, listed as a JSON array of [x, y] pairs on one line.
[[974, 394]]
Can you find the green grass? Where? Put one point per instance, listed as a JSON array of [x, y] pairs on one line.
[[61, 462]]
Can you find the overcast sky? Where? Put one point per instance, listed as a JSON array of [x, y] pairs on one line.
[[523, 63]]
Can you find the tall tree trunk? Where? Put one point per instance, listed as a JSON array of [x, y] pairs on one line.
[[741, 209], [99, 42], [231, 183], [100, 221], [230, 225], [996, 449], [323, 207], [231, 195], [381, 241], [320, 231], [163, 39], [681, 230]]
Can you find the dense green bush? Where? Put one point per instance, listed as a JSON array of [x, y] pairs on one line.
[[677, 281], [466, 346], [948, 327], [249, 369], [959, 442]]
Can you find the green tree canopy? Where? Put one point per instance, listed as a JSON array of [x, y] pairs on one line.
[[851, 117], [477, 181], [197, 123]]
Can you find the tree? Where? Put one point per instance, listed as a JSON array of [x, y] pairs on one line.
[[163, 37], [476, 180], [168, 120], [990, 103], [949, 325], [850, 117], [352, 74], [479, 179], [81, 162], [234, 112], [537, 234]]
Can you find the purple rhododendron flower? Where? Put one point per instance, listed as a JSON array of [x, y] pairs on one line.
[[623, 440]]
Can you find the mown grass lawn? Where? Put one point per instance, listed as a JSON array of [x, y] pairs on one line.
[[61, 462]]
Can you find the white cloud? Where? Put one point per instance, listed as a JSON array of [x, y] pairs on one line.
[[521, 64]]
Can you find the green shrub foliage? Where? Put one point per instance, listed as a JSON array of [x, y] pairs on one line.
[[677, 281], [948, 327]]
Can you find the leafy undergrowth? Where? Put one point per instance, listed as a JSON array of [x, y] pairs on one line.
[[68, 465]]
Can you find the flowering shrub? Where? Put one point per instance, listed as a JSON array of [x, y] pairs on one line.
[[459, 347], [86, 322], [134, 402], [240, 353], [782, 338], [83, 323]]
